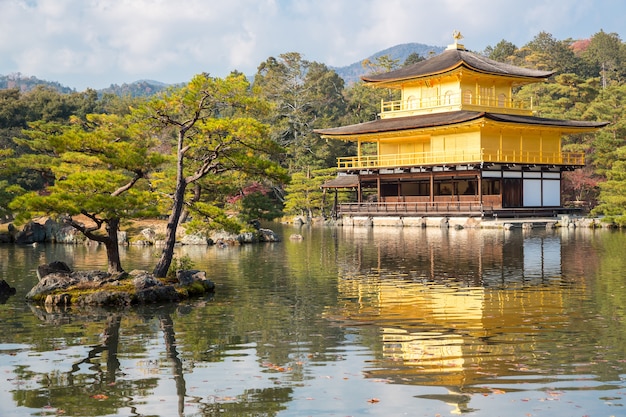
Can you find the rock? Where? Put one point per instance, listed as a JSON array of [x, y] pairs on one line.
[[5, 288], [59, 286], [156, 294], [50, 283], [31, 233], [195, 239], [187, 278], [149, 235], [105, 298], [145, 281], [51, 268], [52, 229], [224, 238], [68, 234], [6, 291], [267, 235], [61, 280], [5, 237], [122, 237], [296, 236], [58, 300], [247, 237]]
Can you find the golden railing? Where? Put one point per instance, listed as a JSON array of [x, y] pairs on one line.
[[460, 157], [455, 99]]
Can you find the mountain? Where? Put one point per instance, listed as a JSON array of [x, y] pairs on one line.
[[24, 83], [145, 88], [352, 73], [140, 88]]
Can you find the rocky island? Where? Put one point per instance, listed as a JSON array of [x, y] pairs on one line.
[[60, 286]]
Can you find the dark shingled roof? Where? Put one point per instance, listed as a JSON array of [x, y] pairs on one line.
[[450, 118], [451, 59], [342, 181]]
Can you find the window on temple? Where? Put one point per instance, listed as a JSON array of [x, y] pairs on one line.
[[491, 187]]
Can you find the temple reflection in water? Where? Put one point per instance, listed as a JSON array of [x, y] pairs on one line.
[[454, 307]]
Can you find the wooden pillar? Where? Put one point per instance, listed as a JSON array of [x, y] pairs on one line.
[[480, 188], [480, 193], [432, 187], [378, 187]]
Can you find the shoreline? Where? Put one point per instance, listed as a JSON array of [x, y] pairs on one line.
[[462, 222]]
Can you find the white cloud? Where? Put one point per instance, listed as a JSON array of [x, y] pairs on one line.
[[98, 42]]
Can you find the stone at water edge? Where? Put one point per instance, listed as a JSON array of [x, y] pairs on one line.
[[6, 290], [52, 268]]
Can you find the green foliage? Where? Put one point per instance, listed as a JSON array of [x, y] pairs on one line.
[[413, 58], [259, 206], [304, 193], [612, 197], [503, 51], [363, 103], [304, 95], [544, 52], [206, 217], [256, 201], [235, 134], [99, 169], [610, 106], [383, 63], [183, 263], [214, 130], [606, 55], [7, 194]]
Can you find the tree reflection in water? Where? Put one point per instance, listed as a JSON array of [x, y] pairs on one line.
[[347, 321]]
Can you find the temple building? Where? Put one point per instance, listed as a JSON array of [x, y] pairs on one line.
[[458, 142]]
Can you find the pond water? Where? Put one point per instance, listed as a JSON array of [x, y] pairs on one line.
[[345, 322]]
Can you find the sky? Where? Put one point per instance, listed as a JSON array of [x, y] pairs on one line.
[[95, 43]]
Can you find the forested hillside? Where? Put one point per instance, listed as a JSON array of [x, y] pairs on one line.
[[352, 73], [141, 88], [145, 88], [284, 102]]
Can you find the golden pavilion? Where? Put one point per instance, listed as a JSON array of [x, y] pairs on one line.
[[458, 142]]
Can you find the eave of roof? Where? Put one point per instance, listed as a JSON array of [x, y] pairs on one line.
[[452, 59], [450, 118], [402, 123], [342, 181]]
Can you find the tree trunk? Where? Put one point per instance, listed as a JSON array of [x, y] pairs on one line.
[[111, 339], [161, 268], [197, 190], [112, 247], [167, 326]]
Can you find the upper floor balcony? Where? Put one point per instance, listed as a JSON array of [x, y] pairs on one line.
[[409, 160], [414, 106]]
